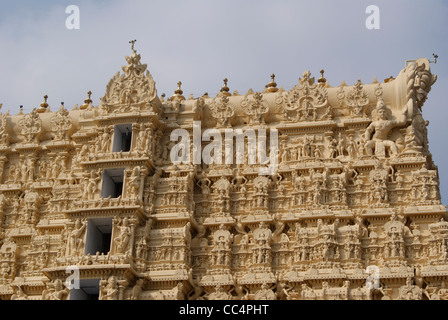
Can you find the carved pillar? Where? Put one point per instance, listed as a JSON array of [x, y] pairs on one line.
[[122, 285]]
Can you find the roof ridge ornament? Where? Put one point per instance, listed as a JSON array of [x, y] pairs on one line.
[[88, 101], [43, 105], [272, 86], [178, 93], [225, 89], [322, 80]]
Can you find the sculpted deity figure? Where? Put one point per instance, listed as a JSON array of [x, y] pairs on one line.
[[59, 291], [352, 147], [18, 293], [76, 239], [219, 294], [91, 185], [141, 138], [137, 289], [110, 290], [265, 293], [134, 182], [122, 240], [381, 129]]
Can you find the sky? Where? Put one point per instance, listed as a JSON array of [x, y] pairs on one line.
[[201, 42]]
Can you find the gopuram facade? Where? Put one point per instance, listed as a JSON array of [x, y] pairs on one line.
[[93, 206]]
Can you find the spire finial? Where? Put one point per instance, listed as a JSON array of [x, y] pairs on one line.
[[89, 95], [272, 86], [225, 89], [322, 79], [178, 93], [43, 105], [179, 90], [88, 101]]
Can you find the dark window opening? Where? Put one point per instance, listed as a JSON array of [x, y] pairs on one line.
[[122, 138], [89, 289], [112, 183], [99, 234]]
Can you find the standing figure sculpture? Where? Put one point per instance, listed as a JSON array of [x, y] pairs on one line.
[[381, 128]]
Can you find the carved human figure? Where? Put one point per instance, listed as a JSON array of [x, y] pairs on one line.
[[59, 292], [141, 141], [308, 293], [352, 147], [124, 236], [76, 240], [381, 128], [18, 293], [134, 183], [265, 293], [91, 185], [341, 146], [109, 290], [137, 289], [219, 294]]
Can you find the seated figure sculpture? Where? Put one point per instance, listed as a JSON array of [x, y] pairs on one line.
[[381, 128]]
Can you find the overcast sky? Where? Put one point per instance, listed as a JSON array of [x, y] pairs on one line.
[[201, 42]]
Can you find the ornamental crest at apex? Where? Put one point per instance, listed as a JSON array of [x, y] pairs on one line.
[[302, 103], [255, 107], [357, 100], [61, 124], [222, 110], [133, 90], [31, 126]]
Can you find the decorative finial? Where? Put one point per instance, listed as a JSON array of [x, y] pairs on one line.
[[178, 93], [87, 102], [272, 86], [225, 89], [43, 105], [179, 90], [322, 79], [132, 42]]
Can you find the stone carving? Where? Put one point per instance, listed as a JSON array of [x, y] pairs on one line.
[[302, 103], [75, 243], [61, 124], [56, 291], [378, 144], [103, 144], [221, 254], [355, 195], [222, 110], [109, 289], [357, 100], [31, 127], [124, 235], [134, 89], [91, 185], [4, 136], [255, 108]]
